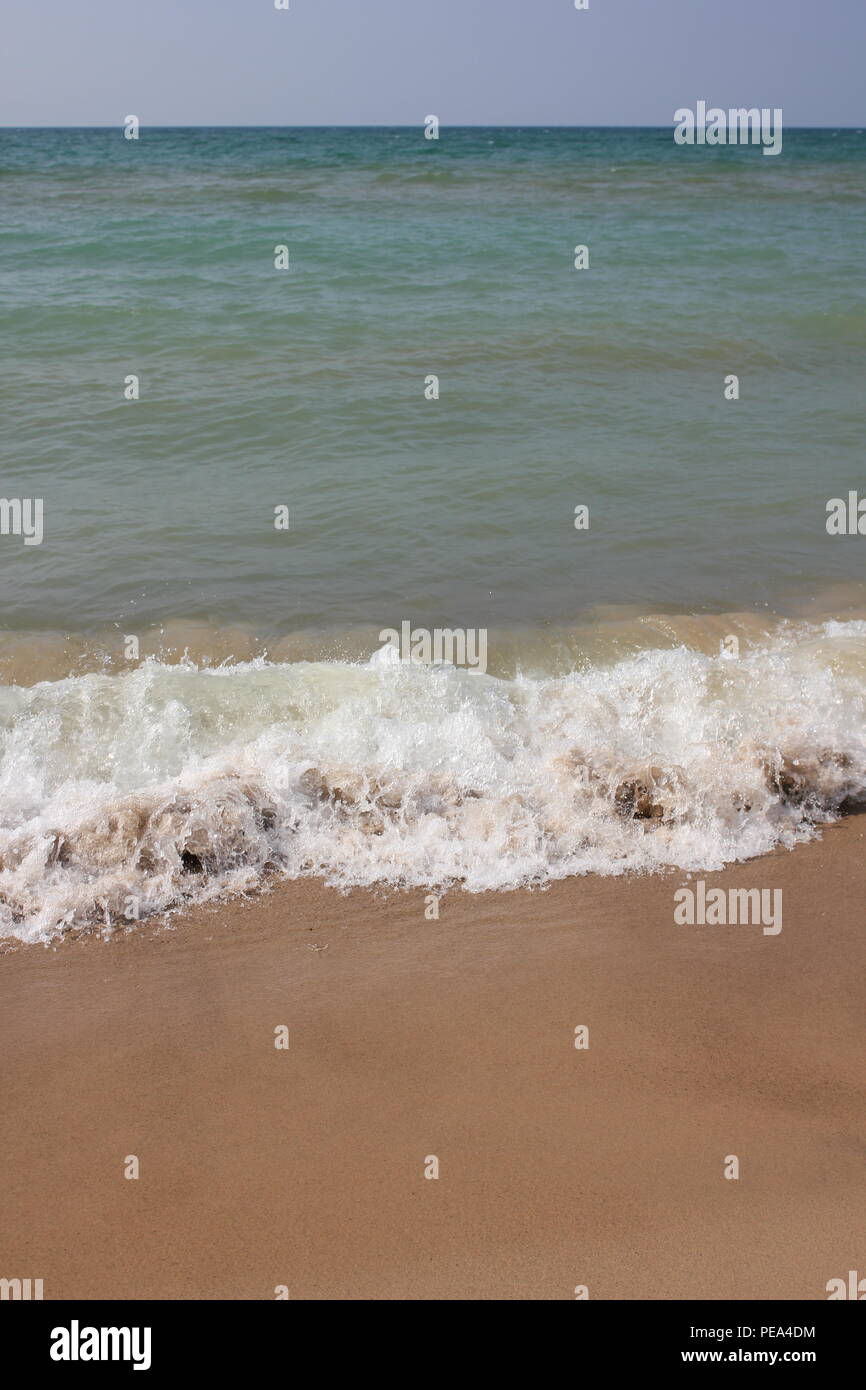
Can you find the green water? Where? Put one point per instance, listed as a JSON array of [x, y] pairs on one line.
[[305, 388]]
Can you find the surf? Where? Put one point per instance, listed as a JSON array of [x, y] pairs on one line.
[[126, 795]]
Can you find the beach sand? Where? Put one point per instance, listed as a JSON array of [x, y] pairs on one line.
[[409, 1037]]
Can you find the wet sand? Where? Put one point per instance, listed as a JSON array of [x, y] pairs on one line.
[[408, 1038]]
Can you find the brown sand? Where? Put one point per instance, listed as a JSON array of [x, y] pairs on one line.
[[410, 1038]]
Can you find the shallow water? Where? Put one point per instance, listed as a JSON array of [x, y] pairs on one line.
[[668, 687], [305, 388]]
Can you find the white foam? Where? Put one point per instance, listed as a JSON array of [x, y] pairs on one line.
[[141, 791]]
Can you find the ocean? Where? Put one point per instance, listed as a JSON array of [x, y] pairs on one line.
[[196, 701]]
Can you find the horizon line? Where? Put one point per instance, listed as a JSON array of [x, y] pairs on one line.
[[415, 125]]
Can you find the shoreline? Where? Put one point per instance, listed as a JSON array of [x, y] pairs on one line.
[[602, 632], [411, 1037]]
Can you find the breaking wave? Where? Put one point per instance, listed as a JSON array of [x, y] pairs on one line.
[[125, 795]]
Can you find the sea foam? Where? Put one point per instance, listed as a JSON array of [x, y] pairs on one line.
[[125, 795]]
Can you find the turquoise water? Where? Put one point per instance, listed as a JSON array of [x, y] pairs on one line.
[[408, 257], [681, 685]]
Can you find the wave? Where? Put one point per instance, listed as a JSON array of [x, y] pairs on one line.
[[126, 795]]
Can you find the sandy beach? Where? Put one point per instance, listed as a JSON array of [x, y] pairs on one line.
[[432, 673], [409, 1038]]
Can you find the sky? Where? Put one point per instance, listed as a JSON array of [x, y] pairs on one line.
[[392, 62]]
